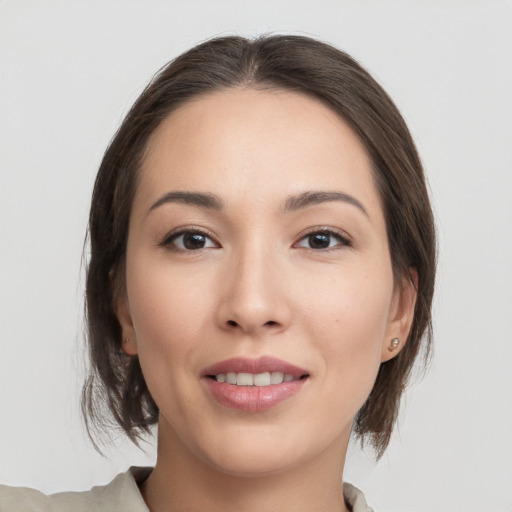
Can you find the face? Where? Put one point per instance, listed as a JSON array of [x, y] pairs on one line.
[[259, 292]]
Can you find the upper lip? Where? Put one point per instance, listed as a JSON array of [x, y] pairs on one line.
[[255, 366]]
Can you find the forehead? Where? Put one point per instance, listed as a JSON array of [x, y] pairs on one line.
[[263, 142]]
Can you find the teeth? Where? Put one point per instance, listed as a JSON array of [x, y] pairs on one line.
[[276, 377], [262, 379], [244, 379], [259, 379]]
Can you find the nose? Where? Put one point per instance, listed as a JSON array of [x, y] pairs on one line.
[[254, 300]]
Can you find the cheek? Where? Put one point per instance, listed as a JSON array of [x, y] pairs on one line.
[[348, 324], [169, 314], [352, 307]]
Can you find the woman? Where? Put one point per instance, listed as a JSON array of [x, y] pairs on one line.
[[260, 280]]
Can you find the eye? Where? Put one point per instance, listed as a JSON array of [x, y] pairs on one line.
[[323, 239], [190, 240]]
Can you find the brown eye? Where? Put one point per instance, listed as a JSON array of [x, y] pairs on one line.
[[321, 240], [190, 241]]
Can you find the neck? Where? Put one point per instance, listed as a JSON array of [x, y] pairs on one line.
[[183, 482]]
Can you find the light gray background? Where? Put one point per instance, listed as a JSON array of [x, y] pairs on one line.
[[69, 70]]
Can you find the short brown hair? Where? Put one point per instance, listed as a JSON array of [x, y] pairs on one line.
[[294, 63]]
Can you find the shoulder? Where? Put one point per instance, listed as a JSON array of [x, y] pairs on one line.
[[355, 499], [120, 495]]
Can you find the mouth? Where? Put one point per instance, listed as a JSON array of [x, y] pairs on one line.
[[263, 371], [259, 379], [253, 385]]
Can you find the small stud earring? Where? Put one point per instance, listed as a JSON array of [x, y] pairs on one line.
[[394, 344], [126, 341]]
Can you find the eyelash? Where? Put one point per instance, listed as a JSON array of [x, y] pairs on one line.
[[169, 240], [343, 240]]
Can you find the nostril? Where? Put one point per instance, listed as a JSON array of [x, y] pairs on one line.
[[232, 323]]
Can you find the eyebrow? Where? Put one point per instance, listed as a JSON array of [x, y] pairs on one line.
[[293, 203], [310, 198], [199, 199]]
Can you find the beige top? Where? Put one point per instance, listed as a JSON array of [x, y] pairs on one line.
[[120, 495]]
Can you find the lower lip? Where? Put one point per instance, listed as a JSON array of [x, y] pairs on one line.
[[253, 398]]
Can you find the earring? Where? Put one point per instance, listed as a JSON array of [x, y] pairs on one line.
[[394, 344], [126, 341]]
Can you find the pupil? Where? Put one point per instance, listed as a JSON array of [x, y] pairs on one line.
[[319, 241], [193, 241]]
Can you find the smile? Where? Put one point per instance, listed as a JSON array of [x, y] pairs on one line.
[[249, 379], [253, 385]]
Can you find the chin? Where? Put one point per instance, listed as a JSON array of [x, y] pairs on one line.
[[262, 451], [253, 463]]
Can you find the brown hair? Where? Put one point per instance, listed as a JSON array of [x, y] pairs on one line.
[[287, 62]]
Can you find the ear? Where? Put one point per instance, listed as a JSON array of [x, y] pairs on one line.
[[129, 343], [401, 315]]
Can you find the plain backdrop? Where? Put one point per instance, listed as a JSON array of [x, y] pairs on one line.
[[69, 70]]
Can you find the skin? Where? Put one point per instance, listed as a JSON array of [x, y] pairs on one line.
[[258, 287]]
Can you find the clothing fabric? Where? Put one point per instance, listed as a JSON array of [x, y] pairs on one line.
[[120, 495]]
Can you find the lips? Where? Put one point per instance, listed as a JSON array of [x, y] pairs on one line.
[[255, 366], [253, 385]]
